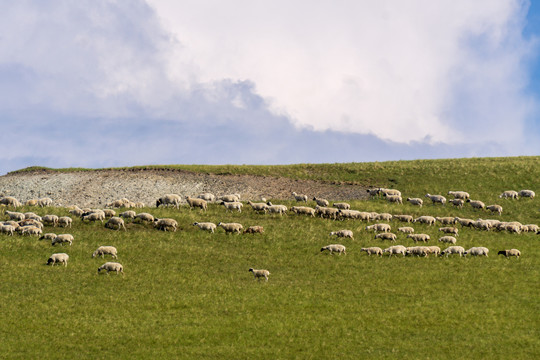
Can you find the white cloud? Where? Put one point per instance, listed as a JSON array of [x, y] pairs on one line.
[[395, 69]]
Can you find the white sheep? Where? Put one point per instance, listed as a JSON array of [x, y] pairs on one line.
[[495, 209], [64, 221], [476, 204], [379, 227], [448, 239], [450, 230], [32, 216], [343, 233], [166, 224], [416, 201], [258, 206], [321, 202], [386, 192], [109, 213], [509, 194], [30, 230], [254, 229], [112, 266], [115, 222], [50, 219], [168, 200], [463, 195], [527, 193], [530, 228], [129, 214], [231, 227], [457, 202], [200, 203], [94, 217], [15, 216], [208, 226], [448, 220], [477, 251], [335, 248], [396, 250], [230, 206], [464, 222], [62, 238], [511, 252], [418, 251], [105, 250], [10, 201], [48, 236], [373, 250], [482, 224], [303, 210], [300, 197], [260, 273], [406, 229], [7, 229], [436, 199], [419, 237], [326, 212], [144, 217], [342, 205], [276, 209], [425, 219], [31, 222], [384, 217], [230, 198], [435, 250], [394, 199], [386, 236], [31, 202], [45, 202], [403, 218], [207, 196], [58, 258]]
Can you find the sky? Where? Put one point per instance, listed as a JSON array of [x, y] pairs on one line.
[[103, 83]]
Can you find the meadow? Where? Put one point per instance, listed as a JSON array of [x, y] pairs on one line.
[[188, 294]]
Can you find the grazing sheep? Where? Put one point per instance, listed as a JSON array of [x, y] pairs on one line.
[[62, 238], [258, 206], [277, 209], [50, 220], [335, 248], [418, 251], [446, 220], [230, 198], [495, 209], [416, 201], [230, 206], [343, 233], [48, 236], [394, 199], [386, 192], [373, 250], [77, 212], [15, 216], [255, 229], [260, 273], [406, 229], [231, 227], [379, 227], [144, 217], [200, 203], [436, 199], [130, 214], [482, 224], [168, 200], [527, 193], [7, 229], [166, 224], [435, 250], [463, 195], [530, 228], [342, 206], [112, 266], [404, 218], [64, 221], [476, 204], [386, 236], [109, 213], [94, 217], [448, 239], [396, 250], [425, 219], [30, 230], [450, 230], [465, 222], [513, 228], [303, 210], [509, 194], [327, 212], [372, 192], [208, 226], [115, 221], [477, 251], [45, 202], [511, 252], [119, 203], [31, 202], [10, 201], [419, 237], [105, 250], [300, 197], [348, 214], [31, 222], [207, 197], [457, 202], [58, 258], [32, 216], [321, 202], [384, 217]]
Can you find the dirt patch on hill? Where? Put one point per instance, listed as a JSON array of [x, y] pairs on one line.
[[97, 188]]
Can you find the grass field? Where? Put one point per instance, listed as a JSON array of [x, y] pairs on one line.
[[189, 294]]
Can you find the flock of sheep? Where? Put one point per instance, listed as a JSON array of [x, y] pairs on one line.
[[30, 223]]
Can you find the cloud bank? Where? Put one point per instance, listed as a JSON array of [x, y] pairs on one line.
[[106, 83]]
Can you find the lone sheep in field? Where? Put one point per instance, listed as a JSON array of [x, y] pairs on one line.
[[416, 201], [511, 252], [260, 273], [166, 224], [495, 209], [231, 227], [169, 199], [436, 199], [200, 203], [208, 226], [105, 250], [509, 194], [115, 222], [335, 248], [300, 197], [321, 202], [373, 250], [61, 258], [343, 233], [255, 229], [477, 251], [112, 266], [527, 193]]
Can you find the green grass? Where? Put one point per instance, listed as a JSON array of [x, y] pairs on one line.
[[189, 294]]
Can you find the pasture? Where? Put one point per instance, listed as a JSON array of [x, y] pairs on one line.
[[188, 294]]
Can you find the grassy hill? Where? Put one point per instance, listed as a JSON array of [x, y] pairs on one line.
[[189, 294]]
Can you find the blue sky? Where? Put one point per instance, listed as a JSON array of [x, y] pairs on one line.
[[112, 83]]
